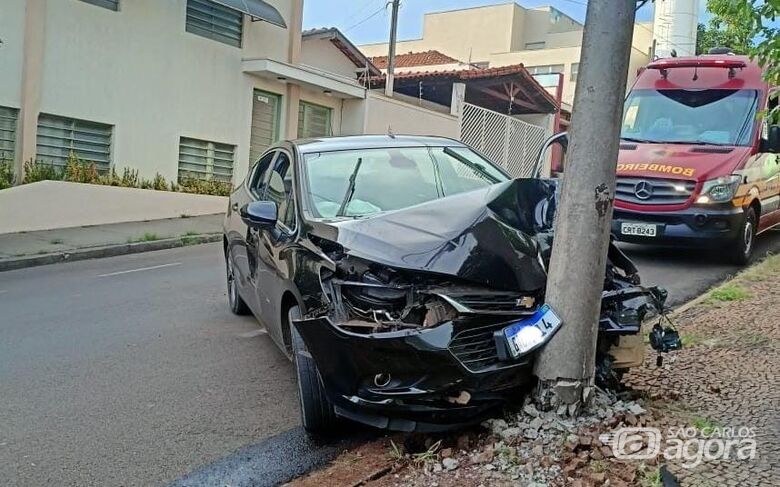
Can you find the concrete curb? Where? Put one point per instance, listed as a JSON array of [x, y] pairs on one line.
[[105, 251]]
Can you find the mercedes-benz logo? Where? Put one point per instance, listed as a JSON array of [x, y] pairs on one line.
[[643, 190]]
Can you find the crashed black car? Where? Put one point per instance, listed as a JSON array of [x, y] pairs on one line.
[[395, 271]]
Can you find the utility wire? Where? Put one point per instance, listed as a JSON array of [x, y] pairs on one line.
[[371, 16]]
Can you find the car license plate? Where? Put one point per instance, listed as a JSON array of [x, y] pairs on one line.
[[521, 341], [639, 229]]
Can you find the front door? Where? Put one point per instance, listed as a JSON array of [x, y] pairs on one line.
[[266, 114]]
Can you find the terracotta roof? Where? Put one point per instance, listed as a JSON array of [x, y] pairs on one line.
[[344, 45], [413, 59], [534, 89]]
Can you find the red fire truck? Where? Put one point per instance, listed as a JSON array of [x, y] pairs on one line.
[[698, 164]]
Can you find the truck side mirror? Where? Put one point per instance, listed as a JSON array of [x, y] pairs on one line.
[[773, 141]]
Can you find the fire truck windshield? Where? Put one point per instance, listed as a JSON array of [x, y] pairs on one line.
[[707, 117]]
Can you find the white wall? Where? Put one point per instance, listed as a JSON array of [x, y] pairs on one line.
[[404, 118], [11, 51], [321, 53]]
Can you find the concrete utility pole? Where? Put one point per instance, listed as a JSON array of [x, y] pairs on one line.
[[565, 366], [391, 53]]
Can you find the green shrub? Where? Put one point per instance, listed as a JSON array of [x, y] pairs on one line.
[[198, 186], [78, 171], [6, 174], [129, 178], [159, 183], [35, 171]]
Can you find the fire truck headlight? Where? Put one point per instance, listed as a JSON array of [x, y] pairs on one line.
[[719, 190]]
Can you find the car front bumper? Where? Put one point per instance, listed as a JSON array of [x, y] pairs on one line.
[[696, 227], [414, 380]]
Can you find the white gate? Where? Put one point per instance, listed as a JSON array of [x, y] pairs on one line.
[[507, 141]]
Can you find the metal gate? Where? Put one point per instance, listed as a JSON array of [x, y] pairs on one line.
[[507, 141]]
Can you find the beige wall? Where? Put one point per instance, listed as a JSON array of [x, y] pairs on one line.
[[378, 113], [11, 51], [322, 54]]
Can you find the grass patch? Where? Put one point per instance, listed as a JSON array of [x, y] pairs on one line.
[[766, 269], [146, 237], [55, 241], [705, 425], [649, 476], [190, 233], [729, 292]]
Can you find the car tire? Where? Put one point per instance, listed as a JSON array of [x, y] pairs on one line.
[[237, 304], [317, 413], [741, 249]]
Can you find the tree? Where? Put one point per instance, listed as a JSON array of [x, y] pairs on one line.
[[726, 28], [757, 21]]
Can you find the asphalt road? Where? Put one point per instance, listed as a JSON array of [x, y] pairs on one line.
[[131, 371]]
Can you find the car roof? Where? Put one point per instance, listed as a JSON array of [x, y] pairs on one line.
[[350, 142]]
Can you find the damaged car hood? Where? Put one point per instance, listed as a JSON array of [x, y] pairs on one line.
[[487, 236]]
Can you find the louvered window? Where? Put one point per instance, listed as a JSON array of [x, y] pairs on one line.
[[215, 21], [8, 118], [201, 159], [58, 137], [313, 121], [109, 4]]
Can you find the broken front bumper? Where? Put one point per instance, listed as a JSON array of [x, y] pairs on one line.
[[413, 380]]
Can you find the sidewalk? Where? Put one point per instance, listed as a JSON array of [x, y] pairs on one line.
[[27, 249]]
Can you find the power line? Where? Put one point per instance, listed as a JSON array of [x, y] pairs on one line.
[[374, 14], [359, 11]]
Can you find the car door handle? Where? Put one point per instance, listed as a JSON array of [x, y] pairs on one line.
[[235, 207]]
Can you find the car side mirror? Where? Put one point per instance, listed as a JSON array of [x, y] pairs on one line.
[[773, 141], [259, 214]]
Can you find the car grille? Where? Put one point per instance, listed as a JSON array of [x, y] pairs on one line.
[[494, 302], [475, 348], [652, 191]]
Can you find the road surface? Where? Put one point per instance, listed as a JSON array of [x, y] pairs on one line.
[[132, 371]]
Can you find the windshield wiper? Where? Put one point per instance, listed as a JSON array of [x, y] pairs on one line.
[[472, 165], [639, 141], [350, 189]]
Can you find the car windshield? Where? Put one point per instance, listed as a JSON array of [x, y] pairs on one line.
[[362, 182], [713, 117]]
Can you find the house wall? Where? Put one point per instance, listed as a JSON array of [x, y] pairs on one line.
[[321, 53], [383, 114], [11, 51]]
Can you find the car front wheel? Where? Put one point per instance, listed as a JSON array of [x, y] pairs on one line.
[[317, 414], [741, 249], [237, 304]]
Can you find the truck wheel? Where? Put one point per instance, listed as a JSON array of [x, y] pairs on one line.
[[317, 414], [741, 249], [237, 304]]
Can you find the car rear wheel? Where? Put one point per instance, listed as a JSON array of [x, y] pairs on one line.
[[237, 304], [317, 414], [741, 249]]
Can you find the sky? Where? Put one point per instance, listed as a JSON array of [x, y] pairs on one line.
[[367, 21]]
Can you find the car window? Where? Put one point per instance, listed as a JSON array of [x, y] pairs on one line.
[[392, 178], [259, 174], [279, 189]]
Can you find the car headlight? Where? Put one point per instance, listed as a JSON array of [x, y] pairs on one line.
[[719, 190]]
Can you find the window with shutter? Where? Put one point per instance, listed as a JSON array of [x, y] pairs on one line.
[[205, 160], [313, 120], [59, 137], [8, 118], [109, 4], [217, 22]]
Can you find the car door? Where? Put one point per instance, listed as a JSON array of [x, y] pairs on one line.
[[239, 235], [273, 243]]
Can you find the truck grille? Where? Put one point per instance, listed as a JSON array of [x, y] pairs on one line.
[[475, 348], [652, 191]]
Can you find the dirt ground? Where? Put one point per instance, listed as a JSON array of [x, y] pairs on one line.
[[723, 384]]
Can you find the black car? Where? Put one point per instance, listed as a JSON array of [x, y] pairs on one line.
[[405, 277]]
